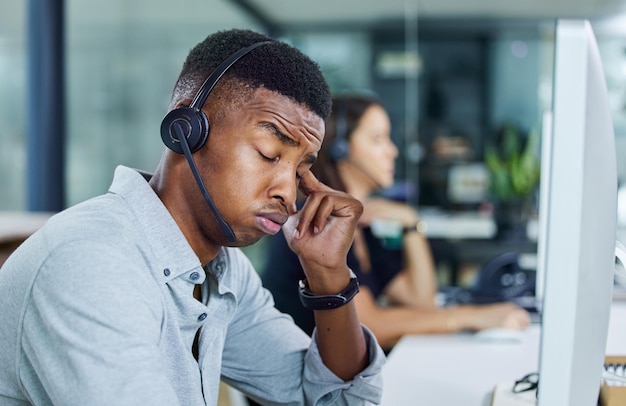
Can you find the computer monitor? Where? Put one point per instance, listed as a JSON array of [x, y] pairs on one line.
[[577, 230]]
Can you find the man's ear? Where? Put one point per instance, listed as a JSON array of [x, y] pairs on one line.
[[179, 103], [183, 102]]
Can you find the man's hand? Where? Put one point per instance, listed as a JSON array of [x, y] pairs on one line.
[[321, 233]]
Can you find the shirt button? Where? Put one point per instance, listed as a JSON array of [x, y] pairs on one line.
[[166, 272], [202, 317], [194, 276]]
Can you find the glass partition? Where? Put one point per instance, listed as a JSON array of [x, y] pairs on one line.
[[448, 84], [123, 58]]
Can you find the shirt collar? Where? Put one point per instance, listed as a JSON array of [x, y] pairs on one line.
[[170, 249]]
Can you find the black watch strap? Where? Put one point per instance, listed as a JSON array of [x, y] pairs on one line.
[[327, 302]]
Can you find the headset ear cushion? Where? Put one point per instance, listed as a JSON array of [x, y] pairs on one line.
[[193, 123], [339, 150]]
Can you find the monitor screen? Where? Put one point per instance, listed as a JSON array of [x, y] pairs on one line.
[[577, 230]]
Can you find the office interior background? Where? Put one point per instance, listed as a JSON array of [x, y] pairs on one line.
[[451, 73]]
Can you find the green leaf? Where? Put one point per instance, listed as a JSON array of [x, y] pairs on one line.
[[514, 167]]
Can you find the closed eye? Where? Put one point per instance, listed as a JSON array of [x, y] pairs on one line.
[[267, 158]]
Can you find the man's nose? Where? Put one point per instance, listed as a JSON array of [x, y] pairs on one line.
[[285, 188]]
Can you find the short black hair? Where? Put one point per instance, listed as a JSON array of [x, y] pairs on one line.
[[277, 66]]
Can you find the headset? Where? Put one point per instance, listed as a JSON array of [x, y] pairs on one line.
[[185, 129]]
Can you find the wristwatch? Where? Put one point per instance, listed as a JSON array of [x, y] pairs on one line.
[[312, 301], [419, 226]]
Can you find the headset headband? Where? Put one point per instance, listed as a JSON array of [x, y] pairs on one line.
[[209, 83]]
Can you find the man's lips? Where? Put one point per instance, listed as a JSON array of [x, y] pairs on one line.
[[271, 223]]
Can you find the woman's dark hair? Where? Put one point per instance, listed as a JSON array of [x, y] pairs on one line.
[[347, 110]]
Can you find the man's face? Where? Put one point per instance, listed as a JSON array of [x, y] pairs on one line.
[[253, 159]]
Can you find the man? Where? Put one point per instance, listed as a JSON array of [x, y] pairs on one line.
[[140, 296]]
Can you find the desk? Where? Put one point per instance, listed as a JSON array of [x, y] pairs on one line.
[[19, 225], [16, 226], [459, 370], [466, 241], [448, 225], [464, 225]]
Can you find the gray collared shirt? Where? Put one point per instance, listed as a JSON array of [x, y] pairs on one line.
[[97, 309]]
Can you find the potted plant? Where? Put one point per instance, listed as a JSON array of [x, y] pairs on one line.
[[514, 169]]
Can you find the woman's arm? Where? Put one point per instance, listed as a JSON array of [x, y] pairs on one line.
[[389, 324], [416, 284]]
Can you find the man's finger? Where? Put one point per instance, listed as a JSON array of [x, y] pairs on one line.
[[310, 184]]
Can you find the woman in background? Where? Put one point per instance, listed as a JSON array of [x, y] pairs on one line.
[[389, 255]]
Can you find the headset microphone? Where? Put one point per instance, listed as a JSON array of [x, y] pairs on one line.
[[185, 129], [364, 171], [228, 232]]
